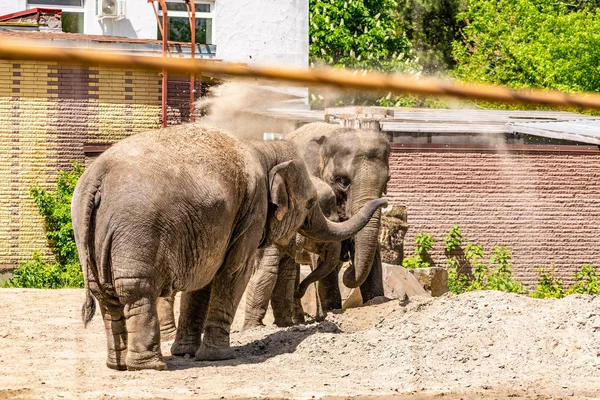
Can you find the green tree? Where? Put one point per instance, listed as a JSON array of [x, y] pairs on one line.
[[432, 26], [361, 34], [527, 43]]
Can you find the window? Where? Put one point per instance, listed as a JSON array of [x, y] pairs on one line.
[[72, 12], [179, 26], [72, 22]]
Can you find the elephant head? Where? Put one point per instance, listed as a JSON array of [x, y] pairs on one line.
[[355, 164], [294, 206]]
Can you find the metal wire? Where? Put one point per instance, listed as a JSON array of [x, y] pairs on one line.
[[373, 81]]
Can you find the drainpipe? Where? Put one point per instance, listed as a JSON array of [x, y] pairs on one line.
[[165, 30], [192, 17]]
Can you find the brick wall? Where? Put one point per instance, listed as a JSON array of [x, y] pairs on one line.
[[544, 206], [47, 113]]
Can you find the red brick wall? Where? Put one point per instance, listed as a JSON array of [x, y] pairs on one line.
[[545, 206]]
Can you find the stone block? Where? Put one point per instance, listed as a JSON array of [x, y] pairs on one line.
[[434, 280]]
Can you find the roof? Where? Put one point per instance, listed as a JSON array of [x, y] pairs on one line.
[[29, 12], [583, 131], [113, 43], [548, 124]]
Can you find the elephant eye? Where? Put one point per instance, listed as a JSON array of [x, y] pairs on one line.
[[342, 181], [310, 204]]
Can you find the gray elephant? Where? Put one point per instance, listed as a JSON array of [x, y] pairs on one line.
[[184, 209], [355, 164], [277, 275]]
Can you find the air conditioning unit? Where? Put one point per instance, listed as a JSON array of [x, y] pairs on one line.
[[110, 9]]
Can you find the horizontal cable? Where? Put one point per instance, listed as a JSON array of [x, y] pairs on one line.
[[342, 78]]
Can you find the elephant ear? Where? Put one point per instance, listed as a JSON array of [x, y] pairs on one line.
[[278, 192]]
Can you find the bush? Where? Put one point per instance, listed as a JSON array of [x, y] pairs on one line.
[[55, 208], [549, 285], [421, 259], [586, 281], [494, 274]]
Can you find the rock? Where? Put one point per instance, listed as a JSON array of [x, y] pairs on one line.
[[353, 300], [391, 234], [434, 280], [398, 282]]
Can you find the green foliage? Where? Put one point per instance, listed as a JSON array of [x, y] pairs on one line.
[[37, 273], [432, 27], [453, 239], [492, 274], [527, 43], [55, 208], [421, 258], [549, 286], [587, 281], [361, 34]]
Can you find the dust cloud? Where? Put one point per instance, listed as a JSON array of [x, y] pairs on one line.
[[242, 108]]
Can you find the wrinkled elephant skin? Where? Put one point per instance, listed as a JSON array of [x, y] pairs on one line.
[[355, 164], [184, 209]]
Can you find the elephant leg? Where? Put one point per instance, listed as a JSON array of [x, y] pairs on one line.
[[373, 286], [260, 287], [116, 333], [143, 334], [282, 299], [228, 288], [298, 310], [328, 290], [193, 309], [166, 317]]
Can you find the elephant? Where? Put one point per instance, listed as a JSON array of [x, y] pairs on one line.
[[184, 208], [277, 275], [355, 164]]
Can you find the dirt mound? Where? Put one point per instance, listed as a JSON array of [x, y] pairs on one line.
[[481, 344]]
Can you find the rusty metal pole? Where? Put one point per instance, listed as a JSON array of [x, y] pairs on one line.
[[191, 7], [165, 30]]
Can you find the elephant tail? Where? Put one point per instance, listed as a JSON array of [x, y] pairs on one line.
[[89, 307], [83, 209]]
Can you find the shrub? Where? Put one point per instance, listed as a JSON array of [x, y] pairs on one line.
[[55, 208], [549, 285], [421, 258], [586, 281], [494, 274]]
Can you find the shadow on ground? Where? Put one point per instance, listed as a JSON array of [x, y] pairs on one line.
[[281, 342]]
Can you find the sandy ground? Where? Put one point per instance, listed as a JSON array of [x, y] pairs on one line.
[[477, 345]]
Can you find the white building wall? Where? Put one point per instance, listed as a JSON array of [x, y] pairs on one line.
[[11, 6], [139, 21], [268, 32], [273, 32]]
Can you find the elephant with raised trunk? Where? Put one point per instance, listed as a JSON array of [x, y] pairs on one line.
[[184, 209], [354, 163], [276, 278]]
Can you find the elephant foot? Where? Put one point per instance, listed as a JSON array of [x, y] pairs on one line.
[[116, 361], [298, 319], [251, 324], [140, 361], [283, 322], [168, 333], [181, 349], [210, 353]]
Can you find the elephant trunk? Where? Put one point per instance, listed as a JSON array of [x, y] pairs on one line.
[[325, 266], [318, 227], [367, 240]]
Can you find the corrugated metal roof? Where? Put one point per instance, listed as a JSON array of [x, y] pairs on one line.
[[579, 130], [547, 124]]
